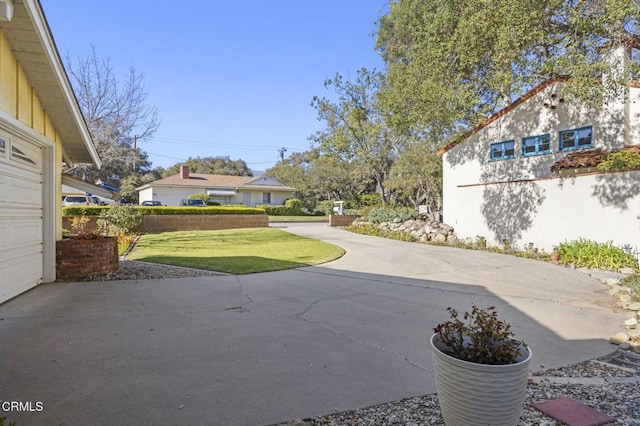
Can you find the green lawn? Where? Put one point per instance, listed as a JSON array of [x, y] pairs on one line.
[[235, 251]]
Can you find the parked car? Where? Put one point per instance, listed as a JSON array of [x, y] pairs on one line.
[[151, 203], [193, 202], [79, 200]]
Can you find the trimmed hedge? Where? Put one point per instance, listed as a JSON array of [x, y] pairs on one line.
[[85, 210], [291, 207], [160, 211]]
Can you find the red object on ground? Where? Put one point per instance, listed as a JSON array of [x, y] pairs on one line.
[[572, 412]]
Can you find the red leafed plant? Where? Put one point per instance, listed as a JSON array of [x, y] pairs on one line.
[[483, 338]]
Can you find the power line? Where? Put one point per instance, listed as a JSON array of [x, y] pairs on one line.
[[220, 144]]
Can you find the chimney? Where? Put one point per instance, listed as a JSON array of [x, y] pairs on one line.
[[184, 172]]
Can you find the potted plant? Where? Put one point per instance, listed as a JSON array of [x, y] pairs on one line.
[[555, 256], [480, 369]]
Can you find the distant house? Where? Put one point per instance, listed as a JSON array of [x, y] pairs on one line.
[[41, 126], [223, 189], [526, 175]]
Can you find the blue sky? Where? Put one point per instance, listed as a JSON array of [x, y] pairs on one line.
[[230, 78]]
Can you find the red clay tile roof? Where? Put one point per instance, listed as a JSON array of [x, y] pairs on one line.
[[587, 158]]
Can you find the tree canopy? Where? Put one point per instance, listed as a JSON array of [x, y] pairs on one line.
[[356, 132], [451, 63], [211, 165], [117, 116]]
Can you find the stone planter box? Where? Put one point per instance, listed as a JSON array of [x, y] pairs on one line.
[[78, 259]]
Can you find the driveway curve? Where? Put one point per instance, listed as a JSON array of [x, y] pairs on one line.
[[264, 348]]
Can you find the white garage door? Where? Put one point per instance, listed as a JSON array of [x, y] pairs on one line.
[[21, 233]]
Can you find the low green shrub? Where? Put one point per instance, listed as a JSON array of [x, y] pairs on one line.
[[387, 214], [323, 208], [377, 232], [291, 207], [381, 214], [633, 282], [591, 254]]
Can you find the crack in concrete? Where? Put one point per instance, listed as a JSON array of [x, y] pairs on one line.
[[243, 292], [362, 342], [309, 306]]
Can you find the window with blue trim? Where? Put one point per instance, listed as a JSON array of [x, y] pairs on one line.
[[570, 140], [536, 145], [502, 150]]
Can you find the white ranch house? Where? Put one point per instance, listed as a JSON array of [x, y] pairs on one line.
[[499, 183], [249, 191]]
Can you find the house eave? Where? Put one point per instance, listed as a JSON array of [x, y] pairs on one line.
[[502, 112], [33, 46]]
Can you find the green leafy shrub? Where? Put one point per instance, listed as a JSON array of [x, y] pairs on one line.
[[364, 200], [294, 206], [381, 214], [377, 232], [323, 208], [291, 207], [591, 254], [121, 220], [625, 159], [385, 214], [483, 339]]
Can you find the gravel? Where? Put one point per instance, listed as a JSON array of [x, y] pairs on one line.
[[608, 388], [136, 270], [605, 387]]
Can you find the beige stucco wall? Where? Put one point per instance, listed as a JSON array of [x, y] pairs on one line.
[[535, 207]]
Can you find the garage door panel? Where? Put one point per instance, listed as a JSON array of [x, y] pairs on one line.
[[20, 191], [18, 233], [19, 275], [21, 222]]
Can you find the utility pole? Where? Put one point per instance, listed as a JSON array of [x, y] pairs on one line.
[[281, 151], [135, 153]]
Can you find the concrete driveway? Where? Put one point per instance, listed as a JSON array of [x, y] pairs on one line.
[[264, 348]]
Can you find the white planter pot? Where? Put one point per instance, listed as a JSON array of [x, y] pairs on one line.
[[479, 394]]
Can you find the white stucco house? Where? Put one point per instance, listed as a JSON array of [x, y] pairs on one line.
[[249, 191], [524, 175], [41, 126]]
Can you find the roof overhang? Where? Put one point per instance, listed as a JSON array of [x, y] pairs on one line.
[[34, 48]]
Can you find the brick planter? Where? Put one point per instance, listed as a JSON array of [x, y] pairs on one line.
[[77, 259], [342, 220]]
